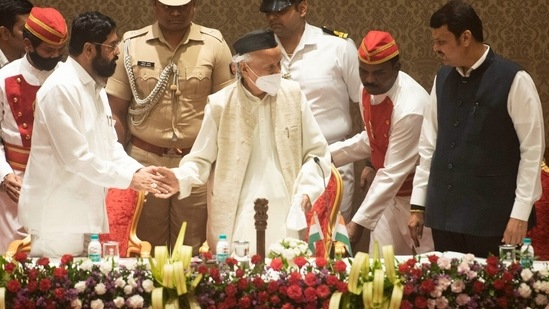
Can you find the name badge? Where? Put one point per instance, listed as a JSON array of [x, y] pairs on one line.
[[145, 64]]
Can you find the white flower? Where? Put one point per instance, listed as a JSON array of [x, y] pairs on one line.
[[541, 299], [119, 282], [463, 299], [80, 286], [442, 302], [463, 267], [128, 289], [458, 286], [135, 301], [526, 274], [86, 265], [100, 288], [131, 281], [524, 290], [97, 304], [148, 285], [444, 262], [106, 268], [119, 302], [469, 258], [77, 304]]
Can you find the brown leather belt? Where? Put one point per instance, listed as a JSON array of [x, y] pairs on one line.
[[159, 151]]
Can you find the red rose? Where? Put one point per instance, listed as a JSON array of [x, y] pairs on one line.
[[59, 272], [214, 274], [294, 278], [13, 285], [300, 261], [203, 269], [342, 287], [59, 293], [415, 272], [321, 262], [408, 289], [323, 291], [33, 273], [411, 262], [340, 266], [332, 280], [239, 273], [507, 276], [478, 287], [274, 299], [405, 304], [244, 302], [258, 282], [263, 296], [491, 270], [427, 286], [295, 292], [272, 286], [310, 294], [287, 306], [20, 257], [32, 286], [499, 284], [45, 284], [502, 302], [66, 259], [420, 302], [230, 290], [433, 259], [256, 259], [276, 264], [492, 260], [231, 261], [9, 267], [43, 261], [310, 279], [403, 268], [207, 256], [242, 283]]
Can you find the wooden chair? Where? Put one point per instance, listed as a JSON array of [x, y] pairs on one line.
[[123, 208], [327, 208]]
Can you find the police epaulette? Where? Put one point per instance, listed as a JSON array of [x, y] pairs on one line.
[[340, 34]]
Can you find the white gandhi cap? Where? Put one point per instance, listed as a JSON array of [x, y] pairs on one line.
[[174, 2]]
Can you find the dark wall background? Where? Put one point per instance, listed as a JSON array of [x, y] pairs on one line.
[[516, 29]]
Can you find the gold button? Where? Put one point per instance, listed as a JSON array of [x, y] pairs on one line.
[[27, 137], [24, 125], [387, 122], [19, 114], [19, 80], [15, 100], [384, 135]]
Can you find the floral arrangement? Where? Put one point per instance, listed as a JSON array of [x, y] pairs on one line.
[[432, 281], [72, 284]]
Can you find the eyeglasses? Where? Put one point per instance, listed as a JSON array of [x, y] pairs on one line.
[[112, 48]]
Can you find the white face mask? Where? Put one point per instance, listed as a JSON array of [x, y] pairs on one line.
[[267, 83]]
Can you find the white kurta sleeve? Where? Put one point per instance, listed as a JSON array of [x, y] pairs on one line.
[[426, 148], [524, 107], [400, 160], [194, 168], [312, 176]]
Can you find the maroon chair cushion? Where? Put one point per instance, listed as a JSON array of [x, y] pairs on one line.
[[540, 233]]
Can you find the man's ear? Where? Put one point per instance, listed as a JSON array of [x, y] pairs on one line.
[[4, 33], [87, 50]]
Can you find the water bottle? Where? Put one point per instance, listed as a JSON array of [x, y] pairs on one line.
[[527, 253], [94, 249], [222, 249]]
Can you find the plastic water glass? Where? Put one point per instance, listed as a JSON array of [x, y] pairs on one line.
[[111, 252]]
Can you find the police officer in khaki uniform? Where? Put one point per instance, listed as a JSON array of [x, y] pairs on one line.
[[157, 94]]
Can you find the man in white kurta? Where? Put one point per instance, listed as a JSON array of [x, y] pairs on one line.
[[325, 65], [392, 107], [75, 155], [19, 82], [259, 145]]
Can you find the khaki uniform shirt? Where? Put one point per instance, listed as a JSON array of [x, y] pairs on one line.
[[203, 60]]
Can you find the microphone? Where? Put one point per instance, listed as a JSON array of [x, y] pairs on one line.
[[317, 161]]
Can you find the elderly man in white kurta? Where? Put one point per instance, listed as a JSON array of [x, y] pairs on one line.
[[392, 105], [262, 138]]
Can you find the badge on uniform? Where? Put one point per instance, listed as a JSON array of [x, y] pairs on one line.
[[145, 64]]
